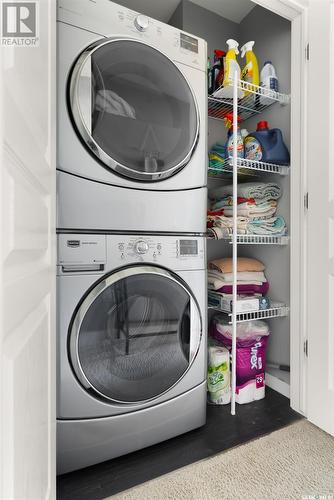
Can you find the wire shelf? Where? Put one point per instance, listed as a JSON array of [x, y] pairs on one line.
[[244, 165], [253, 239], [277, 310], [254, 101]]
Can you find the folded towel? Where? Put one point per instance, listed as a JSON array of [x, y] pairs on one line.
[[248, 276], [226, 223], [258, 190], [274, 226], [216, 233], [250, 207], [222, 226], [225, 265], [246, 289]]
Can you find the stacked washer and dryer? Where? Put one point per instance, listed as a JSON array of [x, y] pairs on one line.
[[132, 158]]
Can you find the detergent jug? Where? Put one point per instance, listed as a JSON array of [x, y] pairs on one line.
[[266, 145]]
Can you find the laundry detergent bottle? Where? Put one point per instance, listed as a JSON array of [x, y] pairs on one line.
[[266, 145], [250, 72], [228, 120]]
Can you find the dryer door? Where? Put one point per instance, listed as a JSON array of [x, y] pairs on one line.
[[135, 334], [133, 109]]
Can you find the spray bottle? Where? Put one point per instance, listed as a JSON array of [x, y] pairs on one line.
[[219, 74], [228, 120], [231, 67], [250, 72], [231, 64]]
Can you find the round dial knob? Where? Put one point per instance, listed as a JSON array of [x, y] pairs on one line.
[[141, 247], [141, 22]]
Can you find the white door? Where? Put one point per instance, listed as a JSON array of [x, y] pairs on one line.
[[27, 298], [320, 267]]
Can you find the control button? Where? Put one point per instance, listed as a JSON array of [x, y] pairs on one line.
[[141, 23], [154, 255], [122, 256], [159, 246], [121, 246], [141, 247]]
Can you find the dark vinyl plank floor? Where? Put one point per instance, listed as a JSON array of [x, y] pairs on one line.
[[221, 432]]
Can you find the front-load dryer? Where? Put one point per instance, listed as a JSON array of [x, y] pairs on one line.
[[131, 343], [132, 121]]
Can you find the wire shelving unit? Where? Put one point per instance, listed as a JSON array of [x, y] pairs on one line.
[[245, 100], [244, 166], [276, 310], [253, 239], [254, 101]]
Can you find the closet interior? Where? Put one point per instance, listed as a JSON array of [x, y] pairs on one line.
[[263, 209]]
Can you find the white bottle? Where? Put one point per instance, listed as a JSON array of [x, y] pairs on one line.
[[244, 133], [268, 80]]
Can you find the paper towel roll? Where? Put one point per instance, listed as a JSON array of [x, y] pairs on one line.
[[219, 375]]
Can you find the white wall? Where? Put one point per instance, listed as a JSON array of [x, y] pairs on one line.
[[27, 270]]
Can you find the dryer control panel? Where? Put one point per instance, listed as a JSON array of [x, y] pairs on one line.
[[110, 19]]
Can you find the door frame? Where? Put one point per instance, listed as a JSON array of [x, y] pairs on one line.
[[296, 11]]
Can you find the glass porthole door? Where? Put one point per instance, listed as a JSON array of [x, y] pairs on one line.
[[134, 335], [133, 109]]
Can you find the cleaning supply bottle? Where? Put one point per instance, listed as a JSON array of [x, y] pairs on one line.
[[266, 145], [269, 78], [244, 133], [269, 81], [250, 72], [231, 64], [228, 120], [221, 54], [210, 87], [231, 67], [217, 72]]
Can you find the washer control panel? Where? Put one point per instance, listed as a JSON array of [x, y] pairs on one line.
[[170, 251], [100, 253]]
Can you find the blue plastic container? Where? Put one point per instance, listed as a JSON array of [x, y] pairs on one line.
[[266, 145]]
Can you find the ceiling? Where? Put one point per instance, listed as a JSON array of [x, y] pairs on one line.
[[235, 10]]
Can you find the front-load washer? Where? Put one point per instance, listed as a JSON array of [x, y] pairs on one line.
[[131, 343], [132, 121]]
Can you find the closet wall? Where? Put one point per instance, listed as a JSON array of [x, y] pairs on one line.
[[272, 42], [272, 35]]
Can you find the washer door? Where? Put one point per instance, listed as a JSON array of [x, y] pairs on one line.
[[133, 109], [134, 335]]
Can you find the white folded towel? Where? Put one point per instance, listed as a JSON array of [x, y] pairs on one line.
[[217, 279]]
